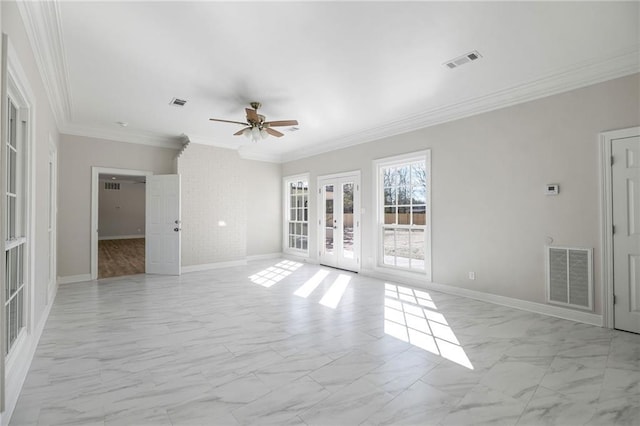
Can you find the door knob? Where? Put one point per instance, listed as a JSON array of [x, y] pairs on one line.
[[176, 229]]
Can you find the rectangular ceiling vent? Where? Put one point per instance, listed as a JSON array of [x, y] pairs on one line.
[[569, 277], [464, 59], [177, 102]]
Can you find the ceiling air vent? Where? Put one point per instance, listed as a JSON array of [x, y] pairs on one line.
[[177, 102], [464, 59]]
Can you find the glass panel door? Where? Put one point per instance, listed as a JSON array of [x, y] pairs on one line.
[[340, 221], [330, 221], [347, 220]]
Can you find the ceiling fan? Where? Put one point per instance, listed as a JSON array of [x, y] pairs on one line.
[[257, 128]]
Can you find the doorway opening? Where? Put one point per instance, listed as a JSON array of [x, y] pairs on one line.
[[118, 201], [121, 225]]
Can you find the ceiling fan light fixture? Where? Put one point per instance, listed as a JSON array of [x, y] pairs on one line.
[[257, 127], [255, 134]]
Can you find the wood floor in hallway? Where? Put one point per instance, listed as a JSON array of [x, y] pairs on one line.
[[120, 257]]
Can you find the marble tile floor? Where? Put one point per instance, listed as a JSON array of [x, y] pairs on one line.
[[279, 342]]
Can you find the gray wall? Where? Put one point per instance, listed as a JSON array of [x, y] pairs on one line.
[[76, 157], [217, 185], [121, 213], [489, 211]]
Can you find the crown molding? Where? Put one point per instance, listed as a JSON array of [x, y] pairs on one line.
[[127, 136], [43, 27], [584, 74]]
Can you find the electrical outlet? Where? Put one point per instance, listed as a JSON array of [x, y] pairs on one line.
[[472, 275]]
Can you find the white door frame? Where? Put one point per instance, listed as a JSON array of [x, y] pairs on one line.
[[95, 177], [356, 213], [606, 221]]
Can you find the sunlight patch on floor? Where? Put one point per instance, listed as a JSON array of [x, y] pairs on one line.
[[312, 283], [273, 274], [411, 315], [333, 296]]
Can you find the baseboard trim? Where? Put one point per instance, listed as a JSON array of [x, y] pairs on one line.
[[16, 380], [301, 259], [538, 308], [264, 256], [208, 266], [72, 279], [122, 237]]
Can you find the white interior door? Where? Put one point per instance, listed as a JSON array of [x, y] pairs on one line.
[[339, 221], [626, 239], [163, 225]]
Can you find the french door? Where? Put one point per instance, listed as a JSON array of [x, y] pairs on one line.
[[339, 220]]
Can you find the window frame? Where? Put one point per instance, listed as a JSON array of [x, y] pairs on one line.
[[286, 181], [379, 208], [21, 95]]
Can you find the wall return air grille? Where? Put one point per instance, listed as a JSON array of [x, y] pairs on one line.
[[112, 186], [570, 277]]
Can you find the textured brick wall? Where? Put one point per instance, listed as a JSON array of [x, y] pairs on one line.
[[213, 190]]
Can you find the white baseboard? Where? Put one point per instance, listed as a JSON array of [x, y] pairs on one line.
[[232, 263], [122, 237], [264, 256], [303, 259], [20, 368], [539, 308], [52, 289], [208, 266], [70, 279]]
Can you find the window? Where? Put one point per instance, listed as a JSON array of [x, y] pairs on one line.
[[15, 221], [403, 212], [296, 227]]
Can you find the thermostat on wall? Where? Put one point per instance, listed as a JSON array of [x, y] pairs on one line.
[[552, 189]]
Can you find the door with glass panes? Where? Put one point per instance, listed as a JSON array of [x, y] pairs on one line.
[[339, 221]]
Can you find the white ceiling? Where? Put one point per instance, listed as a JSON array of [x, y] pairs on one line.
[[349, 72]]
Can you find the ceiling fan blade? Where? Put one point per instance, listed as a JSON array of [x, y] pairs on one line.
[[228, 121], [273, 132], [252, 115], [281, 123], [239, 132]]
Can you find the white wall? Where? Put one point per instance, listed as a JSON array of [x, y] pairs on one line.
[[490, 214], [121, 213], [76, 157], [219, 186]]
